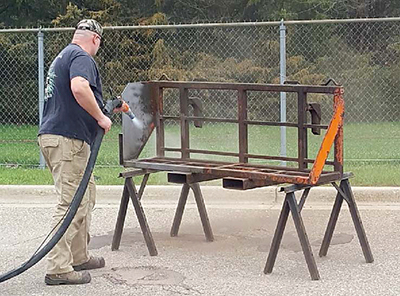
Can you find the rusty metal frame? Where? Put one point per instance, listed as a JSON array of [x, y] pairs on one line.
[[243, 169]]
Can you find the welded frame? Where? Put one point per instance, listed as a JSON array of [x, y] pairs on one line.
[[280, 174]]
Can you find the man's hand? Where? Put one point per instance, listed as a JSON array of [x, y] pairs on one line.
[[105, 123], [117, 110]]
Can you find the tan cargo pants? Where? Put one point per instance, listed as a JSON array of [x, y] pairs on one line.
[[67, 159]]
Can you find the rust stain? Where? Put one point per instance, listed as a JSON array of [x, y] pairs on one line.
[[339, 136], [334, 126]]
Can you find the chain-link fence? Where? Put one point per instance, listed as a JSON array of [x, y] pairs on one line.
[[363, 55]]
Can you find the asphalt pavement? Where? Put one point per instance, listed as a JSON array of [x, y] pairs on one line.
[[243, 224]]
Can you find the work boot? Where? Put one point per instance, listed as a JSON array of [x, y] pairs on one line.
[[93, 263], [69, 278]]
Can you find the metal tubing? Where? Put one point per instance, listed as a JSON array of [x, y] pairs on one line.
[[301, 131], [301, 232], [178, 178], [276, 241], [249, 122], [355, 215], [119, 227], [40, 35], [179, 210], [202, 211], [160, 136], [338, 142], [121, 148], [134, 173], [246, 86], [182, 178], [282, 63], [215, 163], [244, 184], [143, 185], [243, 132], [213, 25], [184, 110], [296, 187], [141, 218], [304, 197]]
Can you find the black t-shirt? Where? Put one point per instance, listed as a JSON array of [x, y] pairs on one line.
[[62, 115]]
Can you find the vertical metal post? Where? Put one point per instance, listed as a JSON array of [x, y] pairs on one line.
[[41, 87], [184, 104], [243, 132], [160, 136], [302, 151], [282, 51]]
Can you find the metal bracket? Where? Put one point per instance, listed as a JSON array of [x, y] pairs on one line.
[[329, 81], [340, 191], [197, 110], [315, 111]]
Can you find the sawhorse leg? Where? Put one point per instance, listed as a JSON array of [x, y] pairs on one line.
[[200, 206], [179, 210], [345, 193], [119, 227], [130, 190], [290, 204]]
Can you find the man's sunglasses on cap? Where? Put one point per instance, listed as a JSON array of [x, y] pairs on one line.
[[93, 26]]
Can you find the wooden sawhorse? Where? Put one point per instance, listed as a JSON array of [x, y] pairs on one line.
[[130, 191], [290, 204]]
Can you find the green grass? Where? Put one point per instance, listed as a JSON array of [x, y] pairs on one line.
[[371, 151], [37, 176]]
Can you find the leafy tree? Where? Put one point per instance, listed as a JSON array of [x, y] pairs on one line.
[[148, 53], [21, 13]]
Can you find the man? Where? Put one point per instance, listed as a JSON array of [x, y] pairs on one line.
[[72, 114]]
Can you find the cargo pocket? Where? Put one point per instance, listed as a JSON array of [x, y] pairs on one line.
[[49, 142], [50, 147], [74, 156]]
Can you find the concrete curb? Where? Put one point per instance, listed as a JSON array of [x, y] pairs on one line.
[[25, 193]]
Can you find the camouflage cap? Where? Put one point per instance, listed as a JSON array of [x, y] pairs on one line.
[[91, 25]]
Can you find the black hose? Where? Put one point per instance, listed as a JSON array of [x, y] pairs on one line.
[[76, 201]]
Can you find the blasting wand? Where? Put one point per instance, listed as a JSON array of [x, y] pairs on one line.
[[119, 103]]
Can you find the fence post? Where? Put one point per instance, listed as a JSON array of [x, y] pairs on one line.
[[41, 87], [282, 64]]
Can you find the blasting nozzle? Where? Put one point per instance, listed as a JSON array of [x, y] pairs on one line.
[[125, 108], [116, 103]]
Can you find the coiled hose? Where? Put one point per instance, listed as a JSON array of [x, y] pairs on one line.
[[76, 201]]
